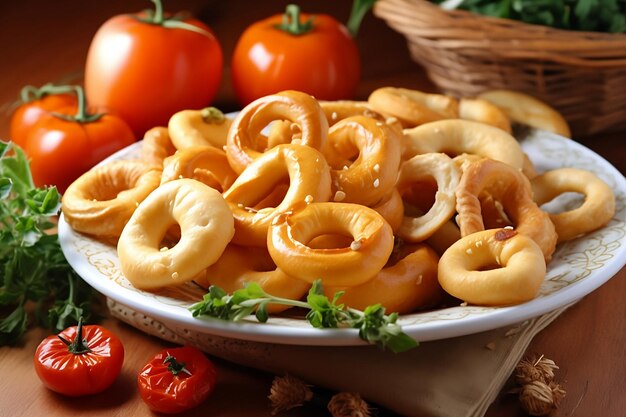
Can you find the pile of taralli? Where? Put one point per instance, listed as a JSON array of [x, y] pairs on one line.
[[404, 199]]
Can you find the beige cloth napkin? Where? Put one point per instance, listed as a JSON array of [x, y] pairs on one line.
[[458, 377]]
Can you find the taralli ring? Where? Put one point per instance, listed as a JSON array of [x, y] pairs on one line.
[[206, 225], [423, 167], [372, 243], [103, 199], [392, 209], [413, 107], [493, 267], [463, 136], [342, 109], [302, 167], [206, 164], [482, 111], [297, 107], [240, 265], [512, 189], [206, 127], [156, 146], [596, 211], [407, 285], [364, 155], [527, 110]]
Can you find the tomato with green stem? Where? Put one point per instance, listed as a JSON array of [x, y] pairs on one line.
[[81, 360], [315, 54], [176, 379], [61, 146], [148, 66], [34, 104]]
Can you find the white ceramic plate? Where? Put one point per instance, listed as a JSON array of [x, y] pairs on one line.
[[577, 268]]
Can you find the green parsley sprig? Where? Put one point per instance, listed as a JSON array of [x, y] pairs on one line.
[[33, 270], [374, 325]]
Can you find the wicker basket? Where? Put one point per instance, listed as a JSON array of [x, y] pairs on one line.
[[582, 74]]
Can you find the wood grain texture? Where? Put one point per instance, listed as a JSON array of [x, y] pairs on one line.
[[47, 41]]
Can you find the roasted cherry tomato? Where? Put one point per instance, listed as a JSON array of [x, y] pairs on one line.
[[313, 54], [61, 146], [37, 102], [176, 380], [81, 360], [146, 67]]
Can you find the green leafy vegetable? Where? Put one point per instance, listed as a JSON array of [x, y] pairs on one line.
[[33, 270], [587, 15], [374, 325]]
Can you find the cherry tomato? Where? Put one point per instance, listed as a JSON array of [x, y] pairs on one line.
[[35, 104], [148, 67], [81, 360], [176, 380], [313, 54]]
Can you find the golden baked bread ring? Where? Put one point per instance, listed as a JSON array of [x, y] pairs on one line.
[[206, 127], [492, 213], [444, 171], [364, 155], [392, 209], [415, 205], [455, 137], [303, 167], [444, 237], [527, 110], [482, 111], [529, 168], [342, 109], [330, 241], [411, 107], [156, 146], [101, 201], [206, 164], [206, 225], [596, 211], [372, 243], [242, 145], [512, 189], [494, 267], [240, 265], [407, 285], [280, 133]]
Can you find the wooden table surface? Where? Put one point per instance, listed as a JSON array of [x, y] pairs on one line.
[[45, 41]]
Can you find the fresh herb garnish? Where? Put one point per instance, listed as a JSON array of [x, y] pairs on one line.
[[374, 325], [33, 270]]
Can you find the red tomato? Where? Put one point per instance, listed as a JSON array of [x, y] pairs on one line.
[[176, 380], [323, 61], [146, 72], [61, 150], [29, 113], [75, 368]]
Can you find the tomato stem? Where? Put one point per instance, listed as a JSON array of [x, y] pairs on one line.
[[79, 345], [157, 17], [359, 10], [174, 366], [30, 93], [292, 23], [82, 104], [82, 114]]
